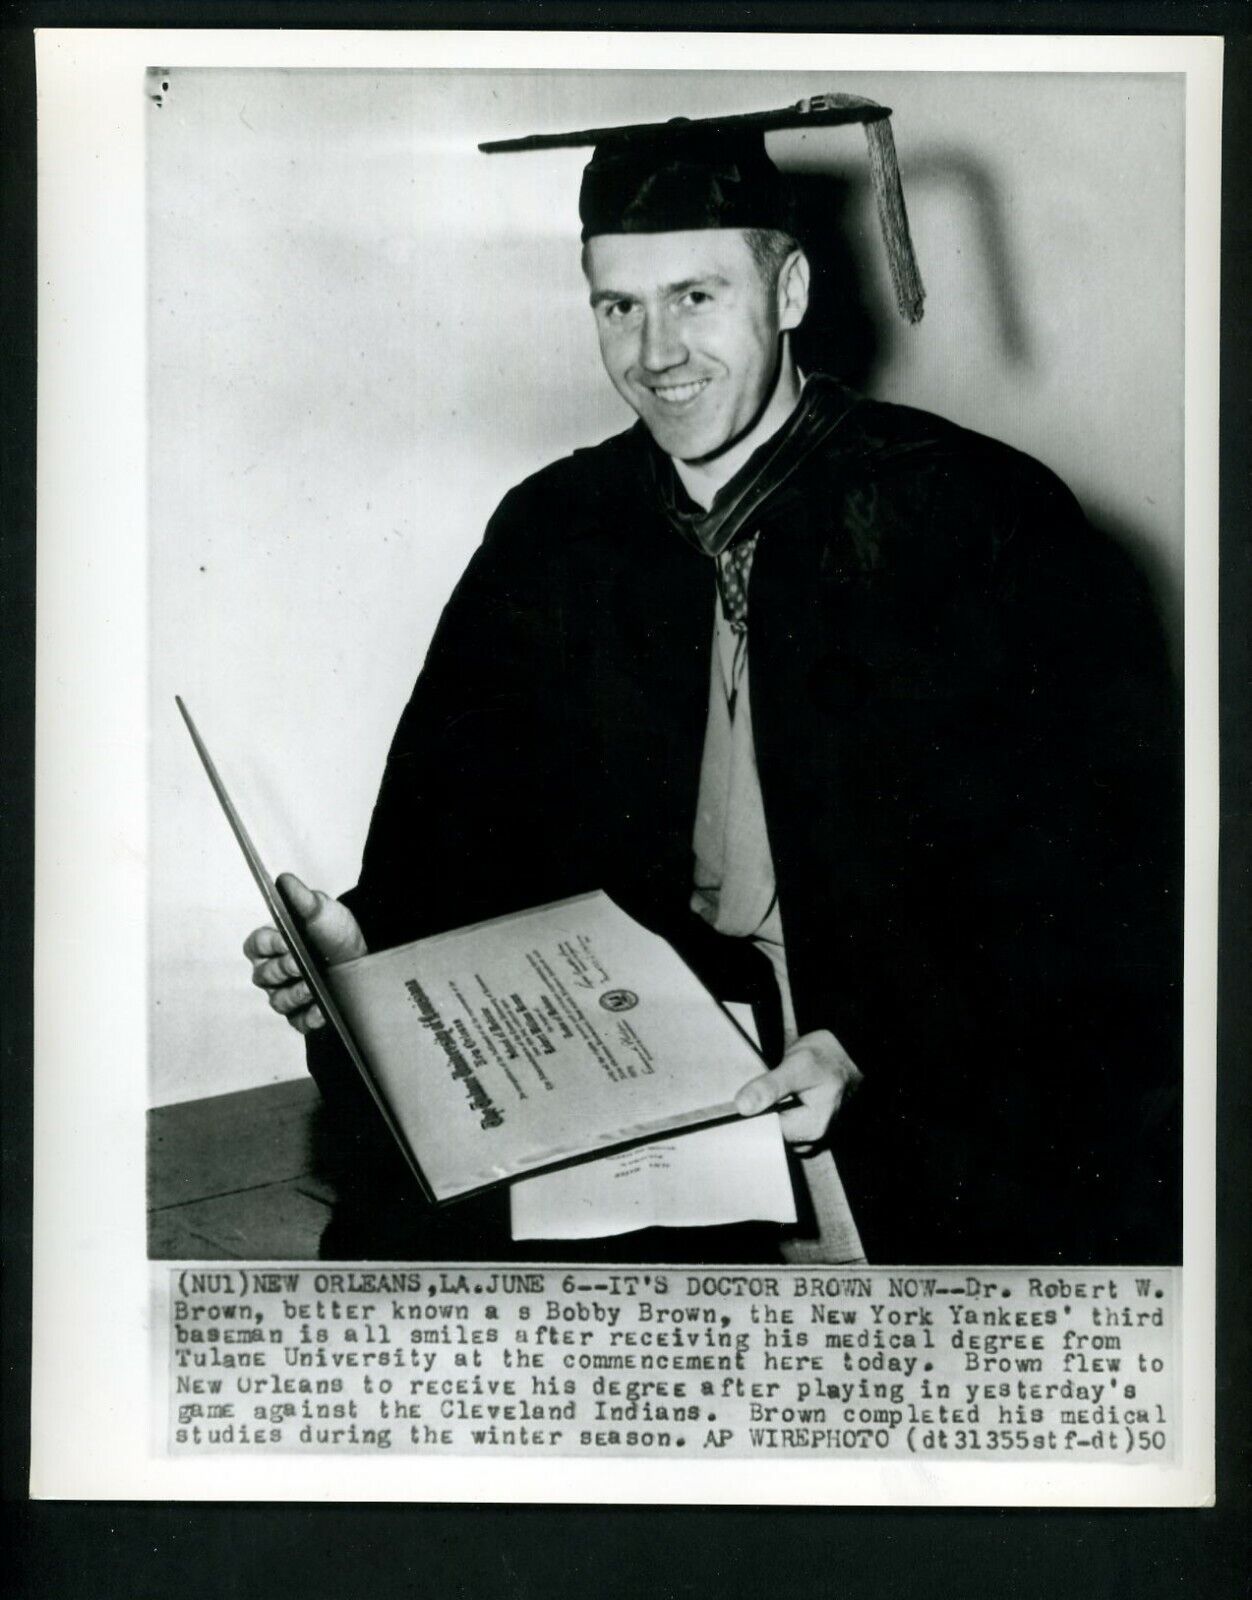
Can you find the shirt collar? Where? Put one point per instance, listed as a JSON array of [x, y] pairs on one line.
[[822, 407]]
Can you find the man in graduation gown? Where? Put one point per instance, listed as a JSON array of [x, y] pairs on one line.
[[849, 704]]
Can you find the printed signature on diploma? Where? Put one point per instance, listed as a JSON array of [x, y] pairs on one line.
[[586, 970]]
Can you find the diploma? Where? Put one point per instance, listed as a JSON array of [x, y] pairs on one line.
[[539, 1039], [526, 1042]]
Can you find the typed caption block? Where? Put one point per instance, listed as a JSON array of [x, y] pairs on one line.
[[1014, 1363]]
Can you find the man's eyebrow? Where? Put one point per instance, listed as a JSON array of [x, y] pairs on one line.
[[599, 296], [714, 278]]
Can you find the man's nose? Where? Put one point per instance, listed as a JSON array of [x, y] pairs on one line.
[[660, 347]]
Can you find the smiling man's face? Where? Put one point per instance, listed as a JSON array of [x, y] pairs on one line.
[[689, 331]]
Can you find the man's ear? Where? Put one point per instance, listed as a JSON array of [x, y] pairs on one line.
[[793, 290]]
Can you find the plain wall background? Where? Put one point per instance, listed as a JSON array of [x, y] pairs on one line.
[[362, 332]]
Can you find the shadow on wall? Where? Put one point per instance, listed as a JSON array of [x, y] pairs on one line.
[[967, 182], [840, 334], [843, 334]]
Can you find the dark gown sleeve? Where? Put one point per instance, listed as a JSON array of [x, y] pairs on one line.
[[1026, 1102], [470, 820]]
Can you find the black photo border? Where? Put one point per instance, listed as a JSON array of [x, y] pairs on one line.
[[103, 1549]]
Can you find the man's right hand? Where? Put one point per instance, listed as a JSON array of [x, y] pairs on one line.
[[332, 931]]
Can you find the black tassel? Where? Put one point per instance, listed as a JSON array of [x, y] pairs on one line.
[[894, 219]]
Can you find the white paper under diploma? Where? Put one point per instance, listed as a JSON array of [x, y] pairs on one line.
[[531, 1040], [736, 1172], [733, 1173]]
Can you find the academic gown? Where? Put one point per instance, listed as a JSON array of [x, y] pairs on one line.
[[969, 754]]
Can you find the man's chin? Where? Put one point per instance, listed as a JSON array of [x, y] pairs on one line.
[[687, 443]]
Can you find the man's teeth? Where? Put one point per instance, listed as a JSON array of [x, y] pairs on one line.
[[676, 393]]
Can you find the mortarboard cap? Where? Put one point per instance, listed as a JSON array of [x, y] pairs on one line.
[[666, 177]]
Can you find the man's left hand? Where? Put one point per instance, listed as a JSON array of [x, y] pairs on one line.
[[816, 1069]]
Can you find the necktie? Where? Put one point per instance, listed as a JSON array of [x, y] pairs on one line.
[[733, 569]]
